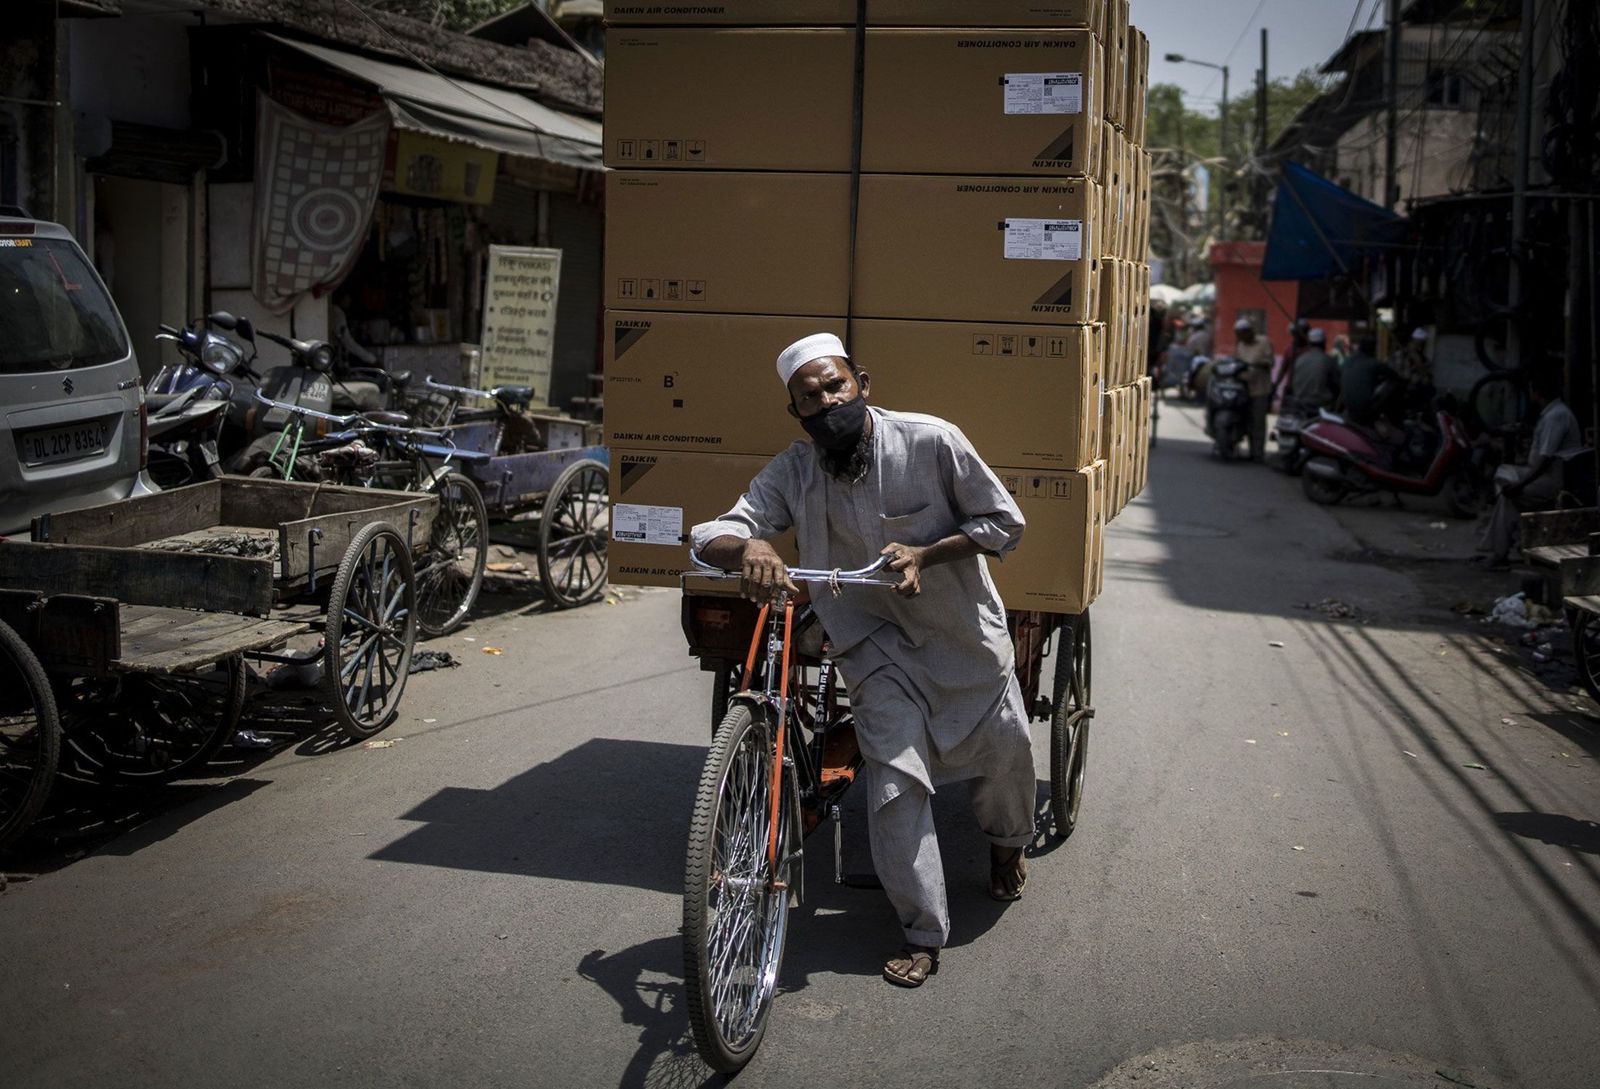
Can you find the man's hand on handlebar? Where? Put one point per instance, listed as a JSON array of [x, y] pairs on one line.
[[765, 575]]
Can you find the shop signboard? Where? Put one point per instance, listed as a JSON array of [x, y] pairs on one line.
[[519, 318], [426, 166]]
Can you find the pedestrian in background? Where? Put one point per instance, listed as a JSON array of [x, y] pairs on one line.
[[1314, 378], [1255, 351], [1534, 486]]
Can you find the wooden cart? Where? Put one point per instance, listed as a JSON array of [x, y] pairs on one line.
[[548, 473], [124, 628]]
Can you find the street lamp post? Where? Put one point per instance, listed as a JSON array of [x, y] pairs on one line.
[[1222, 142]]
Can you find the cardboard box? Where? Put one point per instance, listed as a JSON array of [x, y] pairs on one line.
[[1056, 566], [932, 13], [998, 250], [658, 496], [729, 99], [727, 242], [1024, 395], [701, 382], [1012, 102]]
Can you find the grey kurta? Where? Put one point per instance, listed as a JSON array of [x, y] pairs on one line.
[[925, 483], [932, 679]]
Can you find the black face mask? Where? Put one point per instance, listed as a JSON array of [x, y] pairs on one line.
[[839, 427]]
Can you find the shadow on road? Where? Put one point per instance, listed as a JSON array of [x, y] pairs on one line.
[[609, 811], [1554, 829]]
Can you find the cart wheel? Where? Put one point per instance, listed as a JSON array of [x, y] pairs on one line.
[[1586, 650], [572, 536], [372, 624], [1069, 724], [451, 571], [30, 736], [151, 728]]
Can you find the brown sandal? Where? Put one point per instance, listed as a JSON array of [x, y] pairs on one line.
[[1008, 874], [912, 966]]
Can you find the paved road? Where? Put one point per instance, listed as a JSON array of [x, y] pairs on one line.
[[1286, 861]]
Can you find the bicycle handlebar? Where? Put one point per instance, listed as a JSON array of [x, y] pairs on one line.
[[464, 391], [835, 577], [355, 420]]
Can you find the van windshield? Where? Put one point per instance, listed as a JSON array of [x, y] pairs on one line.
[[54, 315]]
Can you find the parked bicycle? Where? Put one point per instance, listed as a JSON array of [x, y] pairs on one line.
[[381, 450]]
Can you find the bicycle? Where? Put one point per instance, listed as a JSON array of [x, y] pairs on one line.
[[375, 450], [764, 788]]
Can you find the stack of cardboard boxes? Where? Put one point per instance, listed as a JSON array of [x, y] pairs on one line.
[[957, 189]]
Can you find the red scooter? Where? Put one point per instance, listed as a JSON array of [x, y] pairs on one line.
[[1347, 459]]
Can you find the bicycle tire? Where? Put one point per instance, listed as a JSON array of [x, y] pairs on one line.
[[460, 507], [24, 693], [729, 988]]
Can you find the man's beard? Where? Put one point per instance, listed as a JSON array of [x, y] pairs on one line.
[[849, 466]]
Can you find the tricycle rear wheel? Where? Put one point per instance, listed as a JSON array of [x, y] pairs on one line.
[[1069, 723], [30, 736]]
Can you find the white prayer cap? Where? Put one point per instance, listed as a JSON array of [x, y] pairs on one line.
[[1317, 336], [807, 350], [1419, 333], [1241, 325]]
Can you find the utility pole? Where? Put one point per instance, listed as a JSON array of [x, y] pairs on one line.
[[1226, 179], [1183, 199], [1519, 185], [1259, 182], [1391, 96]]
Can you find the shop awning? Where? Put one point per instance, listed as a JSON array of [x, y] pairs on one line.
[[1322, 230], [474, 113]]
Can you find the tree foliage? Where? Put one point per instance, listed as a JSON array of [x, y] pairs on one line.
[[1201, 132]]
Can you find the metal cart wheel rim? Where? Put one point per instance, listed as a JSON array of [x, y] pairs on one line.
[[371, 629], [576, 535], [27, 708], [1586, 650], [93, 744], [450, 535]]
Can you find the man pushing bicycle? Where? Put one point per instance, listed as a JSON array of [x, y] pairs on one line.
[[930, 669]]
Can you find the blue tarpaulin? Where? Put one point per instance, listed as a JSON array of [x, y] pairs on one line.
[[1321, 230]]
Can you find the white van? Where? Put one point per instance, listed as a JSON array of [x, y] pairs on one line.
[[72, 418]]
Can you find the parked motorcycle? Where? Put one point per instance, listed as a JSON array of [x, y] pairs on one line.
[[188, 403], [1291, 456], [1227, 407], [1347, 459], [306, 381]]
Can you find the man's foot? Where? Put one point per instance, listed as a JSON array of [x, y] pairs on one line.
[[1008, 872], [912, 966]]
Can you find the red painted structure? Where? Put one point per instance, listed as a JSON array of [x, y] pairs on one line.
[[1241, 292]]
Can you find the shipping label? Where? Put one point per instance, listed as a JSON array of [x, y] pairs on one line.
[[1044, 92], [640, 524], [1044, 239]]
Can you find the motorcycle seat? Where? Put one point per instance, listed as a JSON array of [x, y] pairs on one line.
[[514, 396]]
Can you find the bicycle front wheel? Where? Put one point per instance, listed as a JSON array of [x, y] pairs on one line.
[[735, 909]]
